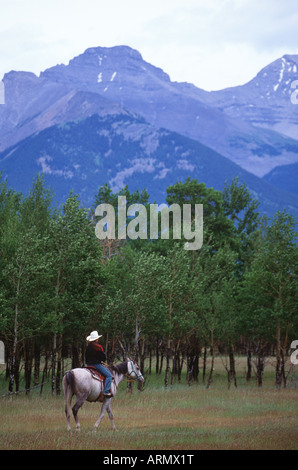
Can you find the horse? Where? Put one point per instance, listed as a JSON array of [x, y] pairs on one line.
[[87, 387]]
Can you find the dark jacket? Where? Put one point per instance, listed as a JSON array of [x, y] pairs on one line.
[[94, 353]]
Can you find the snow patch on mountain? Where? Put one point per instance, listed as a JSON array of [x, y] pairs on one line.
[[281, 73], [185, 165], [43, 162], [162, 173], [138, 165]]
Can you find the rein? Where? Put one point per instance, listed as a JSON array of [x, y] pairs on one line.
[[128, 375]]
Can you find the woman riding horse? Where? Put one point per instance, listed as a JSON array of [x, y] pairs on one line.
[[95, 356]]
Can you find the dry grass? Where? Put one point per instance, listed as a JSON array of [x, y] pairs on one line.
[[180, 418]]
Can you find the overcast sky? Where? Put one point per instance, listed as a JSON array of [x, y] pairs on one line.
[[213, 44]]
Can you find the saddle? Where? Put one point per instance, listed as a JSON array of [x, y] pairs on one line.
[[95, 374]]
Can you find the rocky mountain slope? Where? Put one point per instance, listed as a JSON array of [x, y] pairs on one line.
[[267, 100], [165, 130], [124, 149]]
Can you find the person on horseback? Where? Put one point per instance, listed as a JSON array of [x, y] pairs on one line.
[[95, 356]]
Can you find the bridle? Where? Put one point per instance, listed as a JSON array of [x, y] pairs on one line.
[[130, 375]]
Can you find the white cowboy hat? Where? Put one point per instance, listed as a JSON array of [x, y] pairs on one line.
[[93, 336]]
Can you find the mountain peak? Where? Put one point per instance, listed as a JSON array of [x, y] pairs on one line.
[[114, 51], [14, 76], [285, 65], [291, 58], [100, 56], [276, 78], [107, 70]]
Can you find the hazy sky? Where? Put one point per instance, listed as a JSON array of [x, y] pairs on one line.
[[213, 44]]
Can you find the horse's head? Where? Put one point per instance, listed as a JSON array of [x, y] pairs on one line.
[[134, 372]]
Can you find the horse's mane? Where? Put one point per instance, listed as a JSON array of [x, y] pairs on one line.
[[118, 368]]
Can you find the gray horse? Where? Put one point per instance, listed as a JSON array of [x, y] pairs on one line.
[[81, 382]]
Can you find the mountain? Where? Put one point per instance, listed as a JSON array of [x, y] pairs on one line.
[[284, 177], [125, 149], [265, 101], [120, 74], [122, 78], [33, 104], [108, 115]]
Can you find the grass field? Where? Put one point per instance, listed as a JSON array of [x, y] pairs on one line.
[[179, 418]]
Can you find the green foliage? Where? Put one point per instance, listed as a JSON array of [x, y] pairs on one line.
[[57, 282], [269, 286], [218, 229]]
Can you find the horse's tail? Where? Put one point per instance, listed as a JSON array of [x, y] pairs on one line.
[[69, 381], [69, 390]]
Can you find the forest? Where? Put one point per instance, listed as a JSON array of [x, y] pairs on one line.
[[151, 299]]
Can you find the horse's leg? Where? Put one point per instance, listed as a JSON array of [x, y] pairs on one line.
[[68, 394], [76, 408], [67, 412], [105, 406], [111, 416]]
